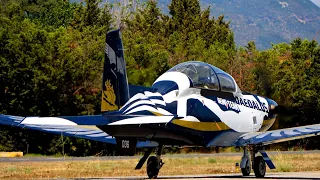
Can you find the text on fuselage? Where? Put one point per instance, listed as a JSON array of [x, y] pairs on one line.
[[261, 106]]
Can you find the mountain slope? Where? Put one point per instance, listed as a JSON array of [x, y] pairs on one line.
[[267, 21], [316, 2]]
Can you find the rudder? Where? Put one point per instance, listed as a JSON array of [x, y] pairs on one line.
[[115, 91]]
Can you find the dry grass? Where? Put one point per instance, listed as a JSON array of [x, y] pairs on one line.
[[173, 166]]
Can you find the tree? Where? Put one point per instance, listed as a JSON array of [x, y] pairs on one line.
[[48, 71]]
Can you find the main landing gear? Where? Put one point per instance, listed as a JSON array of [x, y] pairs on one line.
[[258, 163], [154, 163]]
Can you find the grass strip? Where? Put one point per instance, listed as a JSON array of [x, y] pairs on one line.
[[172, 166]]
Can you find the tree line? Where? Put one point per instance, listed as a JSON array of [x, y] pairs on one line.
[[51, 58]]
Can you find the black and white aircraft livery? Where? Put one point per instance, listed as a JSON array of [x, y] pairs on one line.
[[192, 104]]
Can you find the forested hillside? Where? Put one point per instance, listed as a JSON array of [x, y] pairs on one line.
[[51, 55]]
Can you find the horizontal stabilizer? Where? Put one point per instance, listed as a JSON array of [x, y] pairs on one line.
[[73, 126]]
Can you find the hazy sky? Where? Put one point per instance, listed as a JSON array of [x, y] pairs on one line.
[[317, 2]]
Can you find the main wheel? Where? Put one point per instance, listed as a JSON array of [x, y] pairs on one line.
[[259, 167], [246, 171], [153, 167]]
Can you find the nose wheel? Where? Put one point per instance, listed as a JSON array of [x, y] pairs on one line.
[[245, 163], [259, 167], [258, 163], [247, 169]]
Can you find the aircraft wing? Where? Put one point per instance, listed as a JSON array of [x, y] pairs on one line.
[[279, 135], [73, 126]]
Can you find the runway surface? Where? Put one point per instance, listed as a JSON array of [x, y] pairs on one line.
[[51, 159], [279, 175], [269, 175]]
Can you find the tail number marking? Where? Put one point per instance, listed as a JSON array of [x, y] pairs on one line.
[[125, 144]]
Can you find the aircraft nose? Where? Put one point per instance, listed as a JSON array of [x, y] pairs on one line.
[[273, 107]]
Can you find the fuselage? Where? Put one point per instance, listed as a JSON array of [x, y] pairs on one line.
[[204, 103]]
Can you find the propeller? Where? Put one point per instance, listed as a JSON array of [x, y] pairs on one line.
[[281, 109], [282, 113]]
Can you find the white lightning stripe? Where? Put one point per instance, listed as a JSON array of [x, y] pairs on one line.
[[47, 121], [138, 103], [191, 118], [149, 94], [171, 96], [182, 107], [178, 77], [135, 97], [163, 111], [157, 101], [142, 108], [143, 120]]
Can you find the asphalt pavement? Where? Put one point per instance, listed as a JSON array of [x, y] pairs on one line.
[[278, 175]]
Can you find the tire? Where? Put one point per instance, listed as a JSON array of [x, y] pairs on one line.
[[259, 167], [247, 170], [153, 167]]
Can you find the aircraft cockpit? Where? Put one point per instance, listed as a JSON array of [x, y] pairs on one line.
[[206, 76]]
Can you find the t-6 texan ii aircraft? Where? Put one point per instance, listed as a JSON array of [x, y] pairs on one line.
[[192, 104]]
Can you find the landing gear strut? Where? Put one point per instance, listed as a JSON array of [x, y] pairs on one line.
[[154, 163], [258, 162], [245, 163]]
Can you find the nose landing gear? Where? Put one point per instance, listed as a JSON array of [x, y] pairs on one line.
[[259, 167], [245, 164], [258, 162]]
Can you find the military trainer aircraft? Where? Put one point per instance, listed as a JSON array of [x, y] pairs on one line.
[[192, 104]]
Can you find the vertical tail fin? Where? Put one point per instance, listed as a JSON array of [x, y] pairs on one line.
[[115, 92]]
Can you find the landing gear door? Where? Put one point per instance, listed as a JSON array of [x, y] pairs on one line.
[[126, 146]]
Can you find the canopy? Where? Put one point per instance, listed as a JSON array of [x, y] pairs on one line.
[[206, 76]]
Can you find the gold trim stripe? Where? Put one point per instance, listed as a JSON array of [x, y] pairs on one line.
[[201, 126], [156, 113]]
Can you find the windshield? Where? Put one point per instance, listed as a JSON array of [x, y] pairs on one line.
[[204, 75], [201, 74]]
